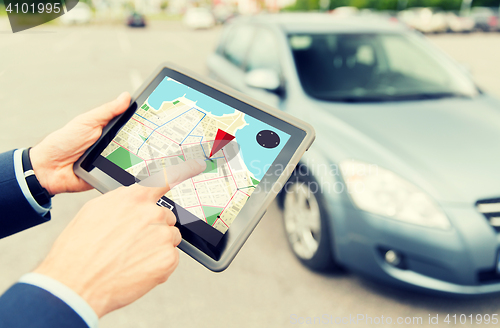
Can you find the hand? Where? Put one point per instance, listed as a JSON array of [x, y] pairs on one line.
[[120, 245], [53, 158]]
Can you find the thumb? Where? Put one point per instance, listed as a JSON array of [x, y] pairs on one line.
[[105, 113], [161, 182]]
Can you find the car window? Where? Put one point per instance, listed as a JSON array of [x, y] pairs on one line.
[[375, 67], [237, 43], [263, 52], [400, 52]]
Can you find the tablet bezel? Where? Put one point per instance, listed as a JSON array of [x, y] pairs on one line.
[[301, 137]]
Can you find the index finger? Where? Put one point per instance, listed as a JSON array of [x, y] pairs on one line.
[[160, 183]]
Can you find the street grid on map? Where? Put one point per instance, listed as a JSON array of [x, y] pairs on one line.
[[178, 131]]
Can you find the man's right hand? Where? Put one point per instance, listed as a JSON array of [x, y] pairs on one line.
[[120, 245]]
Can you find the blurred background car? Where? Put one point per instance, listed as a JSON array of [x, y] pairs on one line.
[[80, 14], [198, 18], [345, 11], [136, 19], [486, 19], [425, 20], [401, 184], [223, 13], [459, 24]]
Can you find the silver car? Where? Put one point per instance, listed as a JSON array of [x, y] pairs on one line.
[[403, 181]]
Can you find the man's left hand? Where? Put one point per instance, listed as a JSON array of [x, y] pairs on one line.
[[53, 158]]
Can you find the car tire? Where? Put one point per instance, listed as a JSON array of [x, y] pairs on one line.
[[305, 220]]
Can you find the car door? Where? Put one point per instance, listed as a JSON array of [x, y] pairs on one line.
[[263, 54], [245, 47], [226, 65]]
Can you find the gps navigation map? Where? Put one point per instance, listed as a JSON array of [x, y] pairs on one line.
[[177, 123]]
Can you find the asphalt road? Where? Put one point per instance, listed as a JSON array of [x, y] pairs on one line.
[[51, 74]]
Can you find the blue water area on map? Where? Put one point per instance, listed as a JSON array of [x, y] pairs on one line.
[[256, 158], [169, 90]]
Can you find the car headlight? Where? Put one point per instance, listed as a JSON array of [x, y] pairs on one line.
[[381, 191]]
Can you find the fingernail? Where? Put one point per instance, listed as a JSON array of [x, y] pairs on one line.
[[122, 96], [202, 162]]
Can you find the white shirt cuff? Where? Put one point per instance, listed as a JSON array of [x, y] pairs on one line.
[[18, 169], [66, 294]]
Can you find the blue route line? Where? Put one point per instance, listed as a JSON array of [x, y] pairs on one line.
[[203, 148], [146, 119], [161, 126], [200, 143], [201, 140], [194, 127]]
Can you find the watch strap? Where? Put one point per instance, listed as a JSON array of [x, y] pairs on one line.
[[39, 193]]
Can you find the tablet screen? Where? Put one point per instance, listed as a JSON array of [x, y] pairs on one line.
[[176, 123]]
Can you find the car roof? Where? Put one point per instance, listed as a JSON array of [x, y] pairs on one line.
[[323, 22]]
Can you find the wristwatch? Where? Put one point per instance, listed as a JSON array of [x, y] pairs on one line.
[[39, 193]]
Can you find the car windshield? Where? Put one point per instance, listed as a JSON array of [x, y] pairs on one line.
[[375, 67]]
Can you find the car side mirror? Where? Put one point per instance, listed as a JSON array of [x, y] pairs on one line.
[[263, 78]]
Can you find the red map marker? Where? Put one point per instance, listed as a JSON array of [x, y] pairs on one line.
[[222, 138]]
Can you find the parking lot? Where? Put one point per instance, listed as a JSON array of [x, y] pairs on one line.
[[50, 74]]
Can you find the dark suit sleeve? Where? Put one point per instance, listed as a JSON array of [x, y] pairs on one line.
[[16, 214], [28, 306], [25, 305]]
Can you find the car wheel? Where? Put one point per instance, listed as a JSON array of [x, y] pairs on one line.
[[306, 226]]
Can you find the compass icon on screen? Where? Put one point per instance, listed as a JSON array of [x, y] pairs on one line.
[[268, 139]]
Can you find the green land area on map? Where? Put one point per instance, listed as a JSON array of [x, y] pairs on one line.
[[211, 213], [211, 167], [123, 158]]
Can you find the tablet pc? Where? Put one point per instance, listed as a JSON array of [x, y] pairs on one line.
[[251, 150]]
